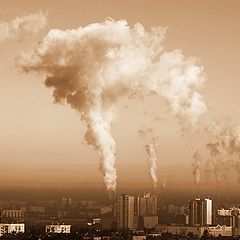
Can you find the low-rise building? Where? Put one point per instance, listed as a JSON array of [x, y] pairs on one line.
[[13, 213], [37, 209], [224, 230], [6, 228], [57, 228], [196, 230], [139, 237], [181, 230], [224, 212]]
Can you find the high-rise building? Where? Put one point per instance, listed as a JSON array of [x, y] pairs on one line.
[[125, 212], [200, 212], [208, 211]]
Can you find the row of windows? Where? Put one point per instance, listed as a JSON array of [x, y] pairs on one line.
[[13, 214]]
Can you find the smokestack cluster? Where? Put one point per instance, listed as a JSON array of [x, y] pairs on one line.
[[91, 67]]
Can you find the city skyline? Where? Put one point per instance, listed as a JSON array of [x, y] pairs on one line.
[[42, 143]]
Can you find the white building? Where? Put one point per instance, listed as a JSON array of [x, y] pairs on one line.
[[196, 231], [225, 231], [208, 211], [224, 212], [57, 228], [200, 212], [11, 228]]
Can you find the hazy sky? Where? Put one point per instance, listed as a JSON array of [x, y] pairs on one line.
[[42, 142]]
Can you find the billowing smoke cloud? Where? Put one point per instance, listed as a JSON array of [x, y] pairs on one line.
[[23, 26], [196, 168], [91, 67]]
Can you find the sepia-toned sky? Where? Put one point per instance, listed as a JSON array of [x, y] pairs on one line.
[[42, 142]]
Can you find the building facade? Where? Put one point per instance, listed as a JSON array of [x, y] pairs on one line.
[[10, 215], [200, 212], [150, 221], [146, 209], [57, 228], [147, 205], [197, 231], [125, 212], [6, 228]]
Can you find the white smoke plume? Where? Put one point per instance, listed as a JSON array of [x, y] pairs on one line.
[[91, 67], [152, 161], [214, 163], [196, 168], [147, 134], [22, 26], [222, 150]]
